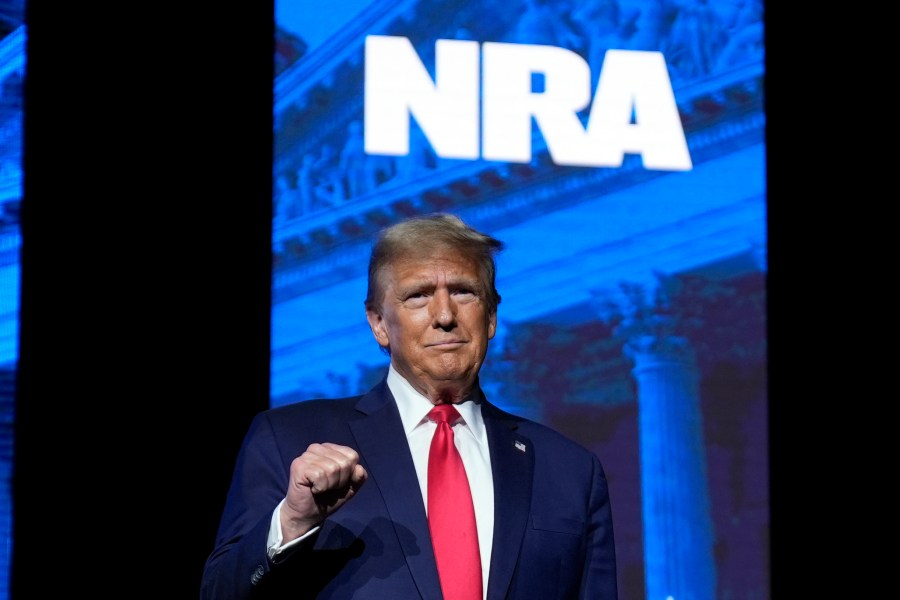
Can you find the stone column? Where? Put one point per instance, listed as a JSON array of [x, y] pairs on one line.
[[678, 533]]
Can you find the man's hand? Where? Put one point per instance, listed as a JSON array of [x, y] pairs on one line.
[[322, 479]]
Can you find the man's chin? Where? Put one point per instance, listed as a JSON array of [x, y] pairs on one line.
[[456, 379]]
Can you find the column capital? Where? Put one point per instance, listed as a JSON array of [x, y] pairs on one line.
[[648, 348]]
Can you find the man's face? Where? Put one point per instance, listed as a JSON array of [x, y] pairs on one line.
[[435, 321]]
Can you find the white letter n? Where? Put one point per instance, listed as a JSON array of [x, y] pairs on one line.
[[397, 85]]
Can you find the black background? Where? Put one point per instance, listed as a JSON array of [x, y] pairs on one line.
[[145, 289]]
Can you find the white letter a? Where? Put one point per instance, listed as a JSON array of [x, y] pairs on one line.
[[636, 81]]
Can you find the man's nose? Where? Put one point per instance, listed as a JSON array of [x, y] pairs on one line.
[[444, 310]]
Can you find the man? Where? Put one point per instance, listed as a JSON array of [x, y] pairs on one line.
[[330, 497]]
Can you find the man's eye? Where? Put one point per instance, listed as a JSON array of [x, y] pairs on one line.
[[416, 299]]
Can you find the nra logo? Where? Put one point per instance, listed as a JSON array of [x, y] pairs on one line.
[[481, 103]]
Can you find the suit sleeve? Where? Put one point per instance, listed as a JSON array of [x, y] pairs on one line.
[[599, 575], [239, 565]]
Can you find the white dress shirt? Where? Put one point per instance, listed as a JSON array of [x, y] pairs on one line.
[[470, 438]]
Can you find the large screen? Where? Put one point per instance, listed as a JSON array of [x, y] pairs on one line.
[[618, 149], [12, 76]]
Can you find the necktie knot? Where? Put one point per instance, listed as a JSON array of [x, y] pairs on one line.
[[444, 413]]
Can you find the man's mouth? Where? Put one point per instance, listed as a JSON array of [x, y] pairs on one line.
[[446, 344]]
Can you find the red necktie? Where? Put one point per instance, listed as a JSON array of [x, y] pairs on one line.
[[451, 515]]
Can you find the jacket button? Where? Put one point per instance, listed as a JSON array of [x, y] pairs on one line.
[[257, 574]]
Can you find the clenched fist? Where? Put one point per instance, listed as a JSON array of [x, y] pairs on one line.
[[322, 479]]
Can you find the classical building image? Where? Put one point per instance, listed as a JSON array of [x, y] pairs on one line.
[[633, 299]]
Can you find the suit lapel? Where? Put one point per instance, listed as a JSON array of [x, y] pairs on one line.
[[382, 443], [512, 464]]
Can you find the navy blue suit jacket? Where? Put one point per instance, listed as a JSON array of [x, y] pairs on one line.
[[553, 535]]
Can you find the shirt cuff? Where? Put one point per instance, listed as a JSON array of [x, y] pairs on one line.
[[274, 548]]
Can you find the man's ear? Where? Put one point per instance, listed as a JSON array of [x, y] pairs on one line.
[[376, 324], [492, 325]]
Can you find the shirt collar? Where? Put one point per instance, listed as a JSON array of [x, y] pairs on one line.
[[414, 407]]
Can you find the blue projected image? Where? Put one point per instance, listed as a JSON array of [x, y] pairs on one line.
[[12, 73], [634, 212]]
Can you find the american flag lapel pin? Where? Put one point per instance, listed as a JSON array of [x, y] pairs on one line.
[[520, 446]]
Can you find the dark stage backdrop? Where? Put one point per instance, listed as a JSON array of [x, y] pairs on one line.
[[619, 149], [145, 277]]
